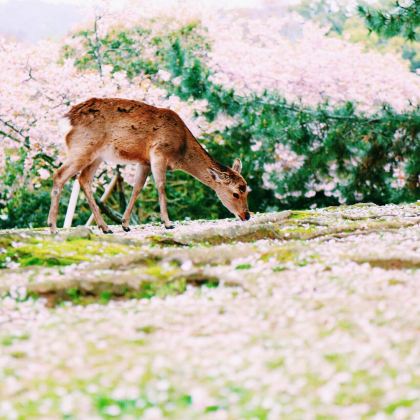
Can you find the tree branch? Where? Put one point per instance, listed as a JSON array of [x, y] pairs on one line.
[[113, 215], [97, 45]]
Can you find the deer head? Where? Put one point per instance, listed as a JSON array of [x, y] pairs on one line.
[[232, 189]]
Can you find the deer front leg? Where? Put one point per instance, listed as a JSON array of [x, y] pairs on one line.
[[142, 172], [158, 165]]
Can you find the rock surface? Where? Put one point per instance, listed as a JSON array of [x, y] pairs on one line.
[[295, 314]]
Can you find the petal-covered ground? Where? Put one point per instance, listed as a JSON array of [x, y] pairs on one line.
[[301, 314]]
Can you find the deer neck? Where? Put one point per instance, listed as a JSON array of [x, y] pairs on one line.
[[197, 163]]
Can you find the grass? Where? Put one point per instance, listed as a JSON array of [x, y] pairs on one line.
[[51, 252], [9, 340], [146, 290], [282, 254], [158, 286], [310, 336], [245, 266], [302, 214]]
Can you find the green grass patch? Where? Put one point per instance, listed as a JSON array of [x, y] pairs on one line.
[[245, 266], [147, 289], [281, 254], [276, 363], [340, 361], [302, 214], [9, 340], [50, 252], [158, 287], [391, 408], [109, 407], [279, 268]]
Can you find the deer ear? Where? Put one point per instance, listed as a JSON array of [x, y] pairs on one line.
[[237, 165], [215, 174]]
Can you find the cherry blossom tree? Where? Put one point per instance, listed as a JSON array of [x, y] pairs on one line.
[[231, 61]]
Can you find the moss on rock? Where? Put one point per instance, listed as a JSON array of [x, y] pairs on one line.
[[49, 251]]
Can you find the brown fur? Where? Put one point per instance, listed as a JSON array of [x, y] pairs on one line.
[[127, 131]]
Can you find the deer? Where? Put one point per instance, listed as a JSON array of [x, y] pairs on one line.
[[123, 131]]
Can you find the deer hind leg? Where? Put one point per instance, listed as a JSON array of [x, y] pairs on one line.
[[142, 172], [158, 165], [61, 176], [85, 179]]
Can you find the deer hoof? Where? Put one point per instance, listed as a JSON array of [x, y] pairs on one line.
[[169, 227], [126, 229], [108, 232]]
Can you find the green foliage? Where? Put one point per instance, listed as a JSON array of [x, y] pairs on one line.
[[115, 49], [364, 150], [20, 204], [126, 50], [325, 12], [354, 30], [24, 197], [360, 154], [344, 21], [400, 20], [361, 151]]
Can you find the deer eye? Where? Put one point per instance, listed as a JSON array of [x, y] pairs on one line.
[[242, 188], [236, 195]]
